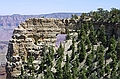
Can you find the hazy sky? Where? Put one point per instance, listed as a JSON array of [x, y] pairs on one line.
[[25, 7]]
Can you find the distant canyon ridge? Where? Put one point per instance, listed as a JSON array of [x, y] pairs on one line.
[[9, 22], [16, 19]]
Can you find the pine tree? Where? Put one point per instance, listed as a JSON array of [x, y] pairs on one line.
[[49, 60], [113, 74], [82, 52], [107, 69], [42, 68], [68, 35], [77, 61], [82, 74], [59, 73], [67, 62], [93, 51], [92, 35], [73, 49], [82, 33], [102, 35], [112, 47], [100, 72], [74, 70], [88, 43], [89, 60], [60, 51], [48, 74], [78, 48], [66, 68], [93, 76], [114, 61], [51, 52], [74, 16], [100, 56], [86, 27]]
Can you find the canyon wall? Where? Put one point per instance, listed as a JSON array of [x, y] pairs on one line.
[[29, 39], [31, 36]]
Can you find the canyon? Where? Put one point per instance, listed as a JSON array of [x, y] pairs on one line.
[[33, 36], [90, 46]]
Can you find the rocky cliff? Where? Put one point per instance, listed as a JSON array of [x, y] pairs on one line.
[[31, 37]]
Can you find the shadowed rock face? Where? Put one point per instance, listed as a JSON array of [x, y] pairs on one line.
[[29, 39]]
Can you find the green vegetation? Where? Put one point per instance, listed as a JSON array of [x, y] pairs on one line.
[[94, 53]]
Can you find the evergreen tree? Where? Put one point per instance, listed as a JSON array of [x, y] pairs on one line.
[[78, 48], [86, 27], [74, 70], [82, 74], [88, 43], [77, 61], [89, 60], [68, 35], [66, 68], [82, 52], [60, 51], [51, 52], [49, 60], [93, 51], [112, 47], [74, 16], [93, 76], [113, 75], [102, 35], [114, 61], [92, 35], [100, 56], [73, 49], [100, 72], [82, 33], [107, 69], [48, 74], [42, 68], [59, 73]]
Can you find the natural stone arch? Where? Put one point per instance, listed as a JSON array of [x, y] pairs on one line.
[[30, 37]]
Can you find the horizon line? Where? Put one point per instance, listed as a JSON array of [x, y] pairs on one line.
[[43, 13]]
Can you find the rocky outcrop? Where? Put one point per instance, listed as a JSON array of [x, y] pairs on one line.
[[29, 39], [31, 36]]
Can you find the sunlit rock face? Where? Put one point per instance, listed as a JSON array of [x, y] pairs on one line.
[[34, 34], [29, 39]]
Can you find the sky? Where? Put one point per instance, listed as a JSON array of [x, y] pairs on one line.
[[35, 7]]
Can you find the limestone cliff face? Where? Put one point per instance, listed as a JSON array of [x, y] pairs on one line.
[[29, 39], [34, 34]]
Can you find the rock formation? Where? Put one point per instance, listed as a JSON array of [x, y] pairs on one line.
[[33, 35], [29, 39]]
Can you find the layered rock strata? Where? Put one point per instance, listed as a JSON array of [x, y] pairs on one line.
[[33, 35], [29, 39]]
